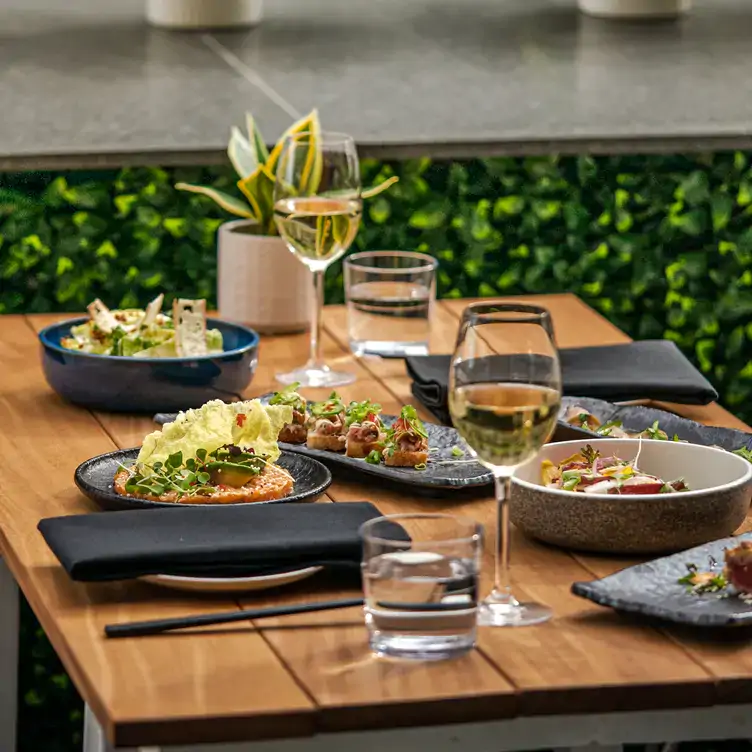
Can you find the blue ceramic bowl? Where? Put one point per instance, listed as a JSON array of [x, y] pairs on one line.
[[120, 384]]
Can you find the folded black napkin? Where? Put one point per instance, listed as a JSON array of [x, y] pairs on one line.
[[652, 369], [225, 542]]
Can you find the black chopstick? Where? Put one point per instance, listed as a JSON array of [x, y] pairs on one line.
[[157, 626], [397, 606]]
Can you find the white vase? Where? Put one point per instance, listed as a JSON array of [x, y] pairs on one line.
[[204, 14], [635, 8], [260, 282]]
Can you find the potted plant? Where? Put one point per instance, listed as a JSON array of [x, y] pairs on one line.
[[203, 14], [635, 8], [259, 281]]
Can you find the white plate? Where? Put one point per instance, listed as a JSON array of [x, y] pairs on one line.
[[229, 584]]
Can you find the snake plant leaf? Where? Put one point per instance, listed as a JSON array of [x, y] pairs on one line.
[[310, 123], [242, 155], [225, 200], [256, 140], [376, 189], [258, 188]]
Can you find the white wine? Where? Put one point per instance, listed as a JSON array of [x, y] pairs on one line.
[[319, 229], [505, 424]]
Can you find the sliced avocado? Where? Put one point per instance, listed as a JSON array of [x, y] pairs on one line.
[[230, 473]]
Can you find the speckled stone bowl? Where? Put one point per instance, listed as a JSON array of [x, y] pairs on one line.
[[716, 506]]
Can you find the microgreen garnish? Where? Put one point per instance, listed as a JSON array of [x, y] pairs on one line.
[[606, 428], [744, 452], [457, 452], [374, 457], [409, 421], [703, 582], [589, 454], [357, 412], [653, 432]]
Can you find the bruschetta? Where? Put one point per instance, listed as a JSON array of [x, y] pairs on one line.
[[365, 431], [326, 425]]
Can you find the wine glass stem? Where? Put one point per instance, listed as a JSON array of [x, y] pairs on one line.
[[317, 315], [502, 585]]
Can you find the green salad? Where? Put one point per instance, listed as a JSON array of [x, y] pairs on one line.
[[148, 333]]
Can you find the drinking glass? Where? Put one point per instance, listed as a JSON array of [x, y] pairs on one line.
[[389, 296], [504, 398], [420, 579], [317, 208]]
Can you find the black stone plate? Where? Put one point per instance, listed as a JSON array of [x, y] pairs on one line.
[[652, 589], [638, 418], [94, 479], [444, 471]]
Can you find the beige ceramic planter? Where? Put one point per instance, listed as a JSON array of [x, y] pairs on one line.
[[203, 14], [260, 283], [635, 8]]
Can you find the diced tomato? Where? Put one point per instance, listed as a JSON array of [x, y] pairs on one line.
[[371, 417], [240, 419]]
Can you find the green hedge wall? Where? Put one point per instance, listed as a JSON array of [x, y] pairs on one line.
[[661, 245]]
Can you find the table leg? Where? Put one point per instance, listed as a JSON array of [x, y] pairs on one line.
[[8, 658]]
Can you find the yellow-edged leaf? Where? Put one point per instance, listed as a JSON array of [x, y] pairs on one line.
[[225, 200], [310, 177], [376, 189], [241, 154], [256, 140], [301, 126], [258, 188]]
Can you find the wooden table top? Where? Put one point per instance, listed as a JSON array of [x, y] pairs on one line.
[[264, 680]]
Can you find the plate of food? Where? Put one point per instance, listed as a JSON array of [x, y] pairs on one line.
[[230, 584], [598, 419], [631, 496], [221, 453], [145, 360], [357, 437], [708, 586]]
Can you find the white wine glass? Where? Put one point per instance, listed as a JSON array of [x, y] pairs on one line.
[[504, 398], [317, 208]]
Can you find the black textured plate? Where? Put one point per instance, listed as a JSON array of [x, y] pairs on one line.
[[444, 471], [94, 479], [652, 589], [638, 418]]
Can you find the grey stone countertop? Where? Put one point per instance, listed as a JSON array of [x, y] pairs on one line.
[[86, 83]]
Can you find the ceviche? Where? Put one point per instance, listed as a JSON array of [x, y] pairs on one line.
[[589, 472]]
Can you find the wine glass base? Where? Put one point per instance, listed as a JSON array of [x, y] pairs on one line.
[[316, 376], [512, 614]]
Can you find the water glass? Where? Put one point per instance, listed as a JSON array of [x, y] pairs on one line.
[[389, 296], [420, 578]]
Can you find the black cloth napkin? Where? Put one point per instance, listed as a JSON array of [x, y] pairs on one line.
[[206, 542], [651, 369]]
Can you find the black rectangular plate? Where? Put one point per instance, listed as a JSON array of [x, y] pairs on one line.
[[638, 418], [652, 589]]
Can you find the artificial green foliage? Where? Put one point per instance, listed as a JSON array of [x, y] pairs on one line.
[[660, 245]]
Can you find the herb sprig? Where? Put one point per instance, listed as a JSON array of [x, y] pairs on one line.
[[698, 582]]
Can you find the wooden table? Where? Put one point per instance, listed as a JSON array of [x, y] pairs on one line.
[[589, 675]]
